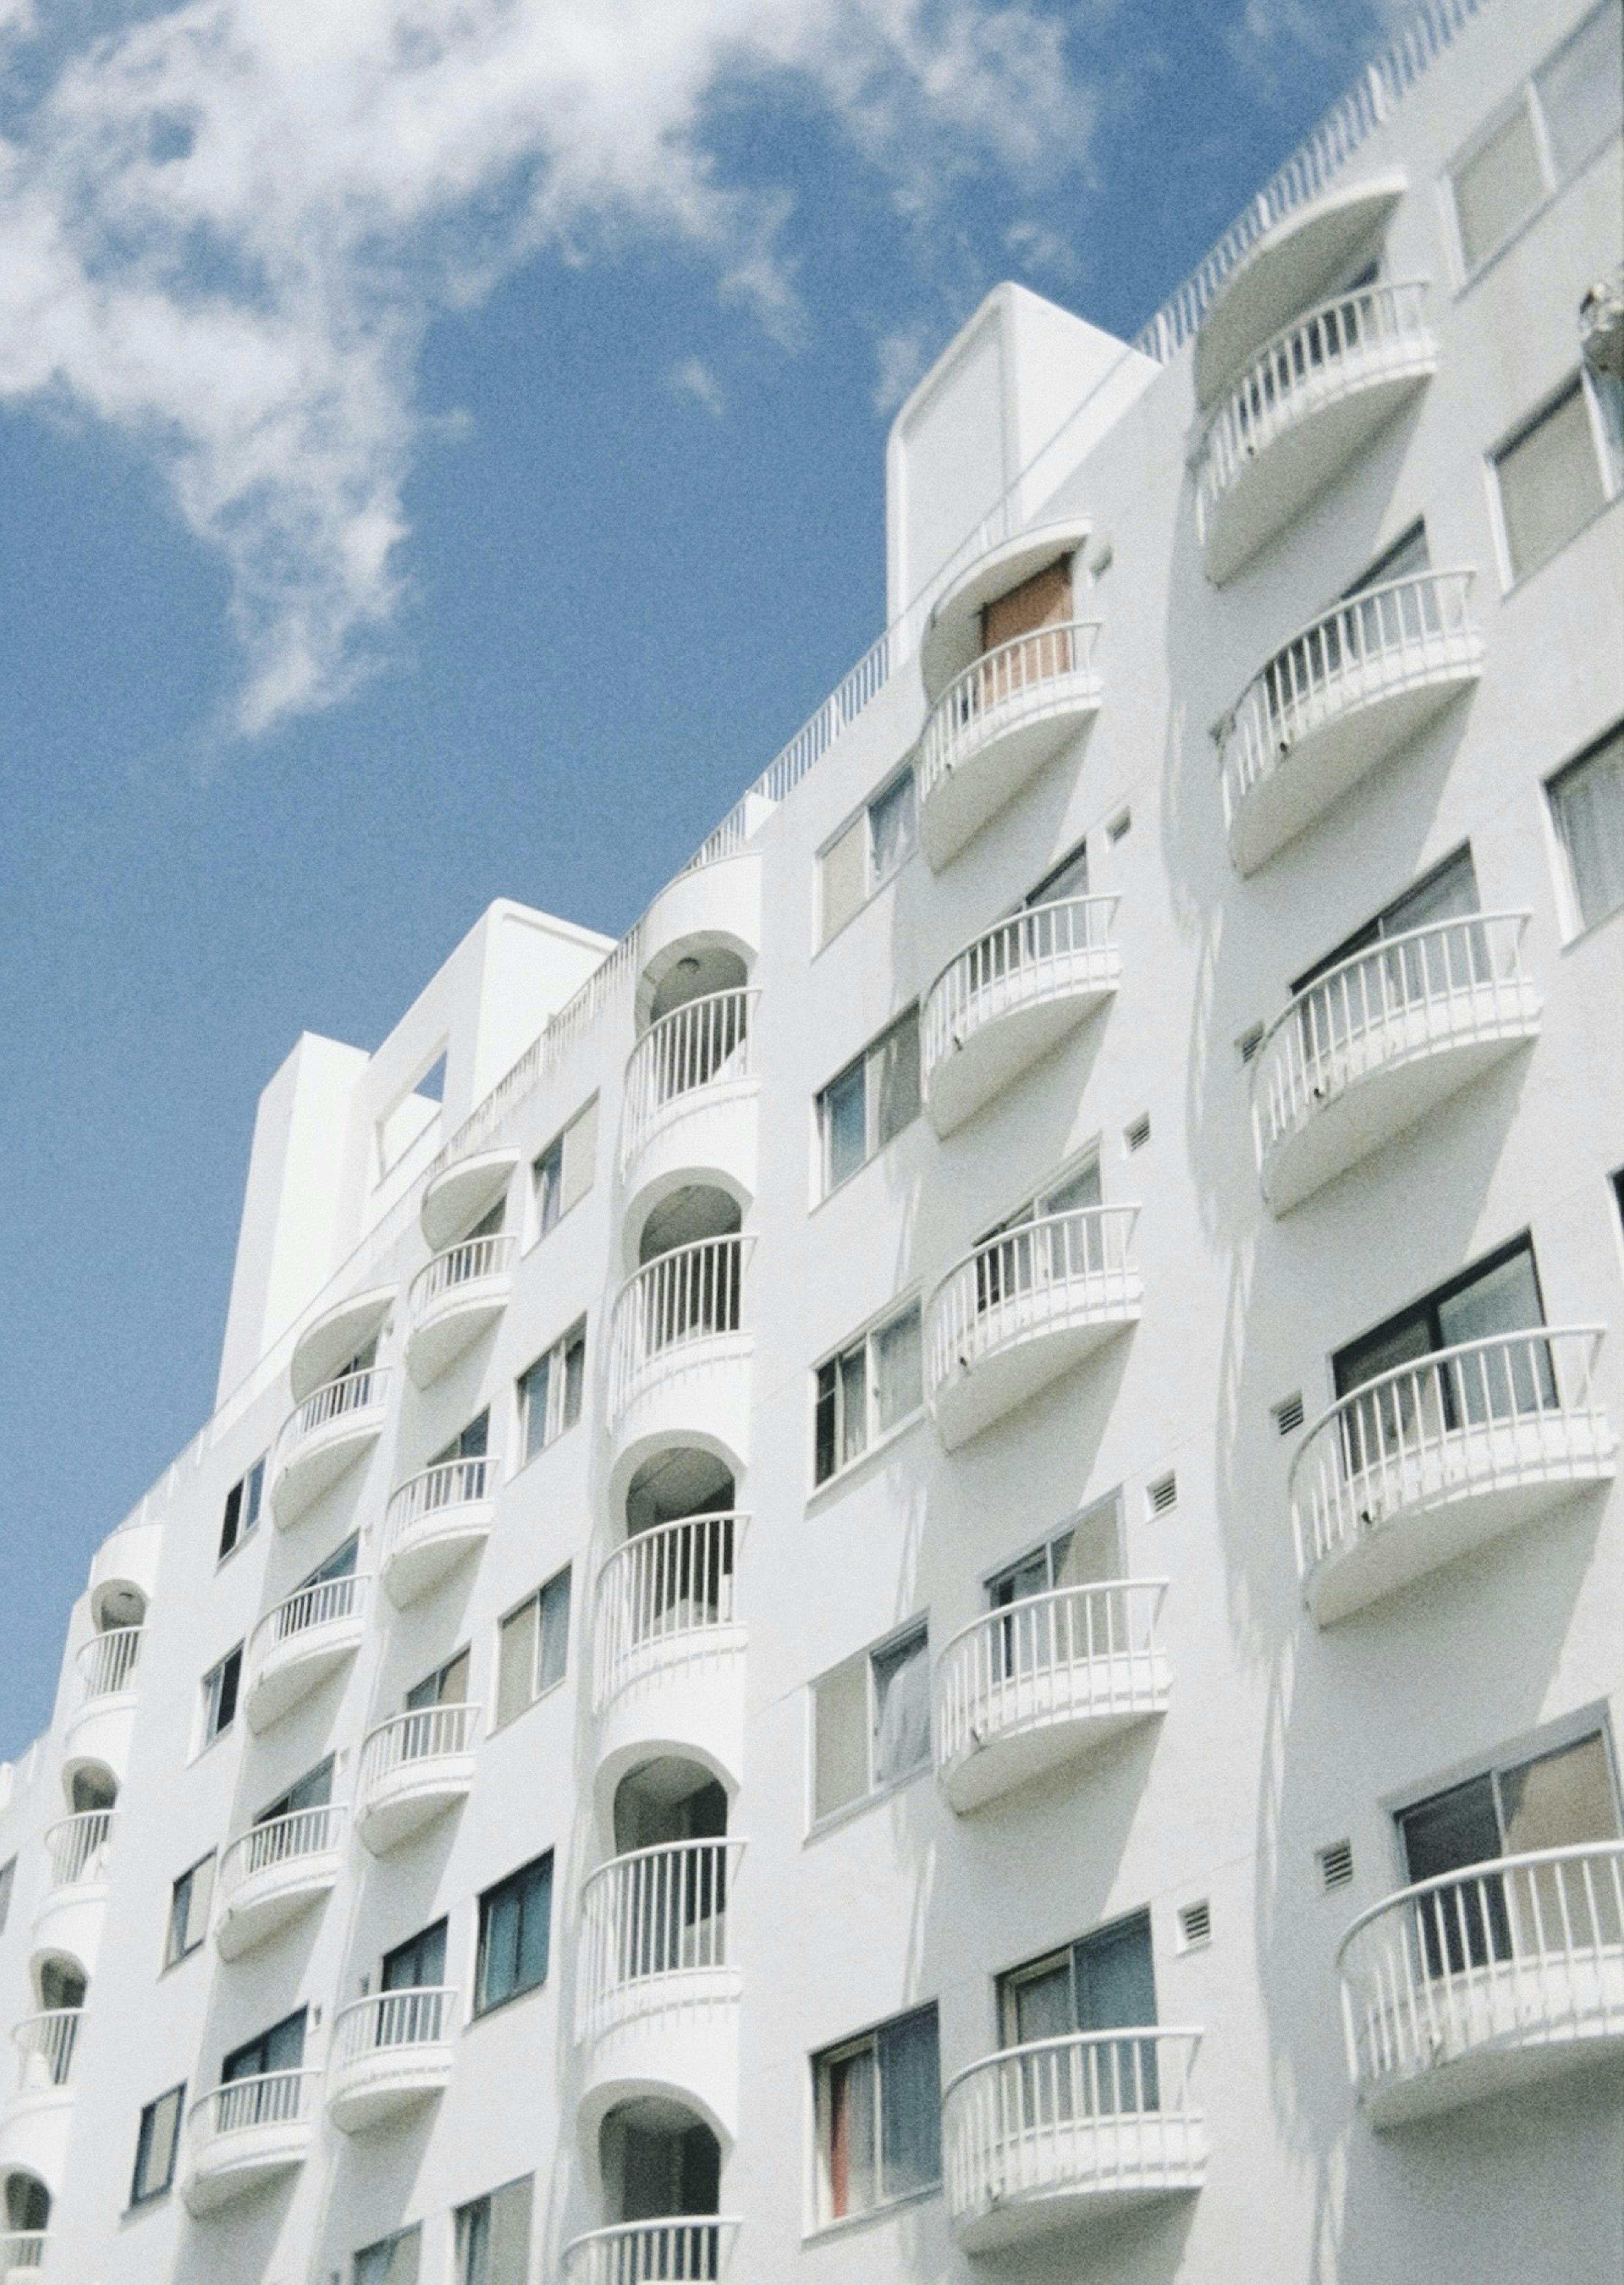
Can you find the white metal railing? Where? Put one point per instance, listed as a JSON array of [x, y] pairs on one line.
[[689, 1295], [450, 1484], [45, 2047], [1530, 1945], [390, 2019], [652, 1913], [1072, 2108], [1025, 668], [329, 1599], [1480, 1415], [703, 1043], [1037, 955], [279, 1841], [1387, 638], [460, 1265], [1317, 355], [352, 1392], [108, 1661], [1028, 1281], [23, 2250], [689, 2249], [76, 1848], [269, 2099], [1092, 1651], [673, 1584], [428, 1733], [1453, 981]]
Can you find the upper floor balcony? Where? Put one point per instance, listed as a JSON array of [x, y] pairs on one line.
[[100, 1727], [23, 2255], [414, 1768], [1023, 1307], [1062, 2131], [69, 1915], [1375, 1044], [995, 726], [458, 1296], [463, 1193], [324, 1436], [273, 1873], [1420, 1465], [246, 2134], [694, 2248], [1045, 1680], [668, 1643], [1009, 997], [691, 1093], [1339, 700], [679, 1355], [433, 1520], [297, 1645], [76, 1850], [37, 2114], [1479, 1981], [106, 1663], [391, 2052], [45, 2045], [1311, 399]]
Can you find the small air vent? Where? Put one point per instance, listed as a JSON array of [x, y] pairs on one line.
[[1194, 1924], [1120, 825], [1246, 1047], [1336, 1864], [1164, 1494], [1139, 1134], [1289, 1413]]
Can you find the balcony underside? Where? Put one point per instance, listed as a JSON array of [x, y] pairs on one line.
[[389, 2083], [34, 2124], [1501, 2037], [680, 1695], [1081, 2173], [322, 1458], [430, 1549], [710, 1128], [1013, 1360], [243, 2163], [676, 2036], [293, 1669], [1060, 1719], [1013, 1024], [462, 1193], [271, 1901], [1006, 746], [409, 1800], [452, 1324]]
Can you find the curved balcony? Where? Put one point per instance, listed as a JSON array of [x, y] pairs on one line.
[[695, 2248], [997, 724], [1062, 2131], [328, 1342], [414, 1768], [1024, 1308], [45, 2045], [1340, 699], [1424, 1463], [23, 2255], [1012, 995], [296, 1647], [669, 1648], [460, 1295], [433, 1521], [690, 1095], [1310, 400], [68, 1917], [391, 2053], [101, 1726], [273, 1873], [678, 1357], [1473, 1983], [658, 1997], [1046, 1680], [34, 2119], [462, 1194], [325, 1435], [1374, 1045], [986, 573], [245, 2134]]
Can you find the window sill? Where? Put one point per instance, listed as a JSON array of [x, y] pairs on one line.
[[497, 1728], [872, 1453], [500, 2007], [1591, 928], [245, 1540], [1526, 578], [541, 1451], [828, 1197], [875, 894], [836, 1818], [828, 2231]]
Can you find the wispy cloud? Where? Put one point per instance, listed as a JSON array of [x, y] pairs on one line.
[[227, 225], [693, 377], [899, 359]]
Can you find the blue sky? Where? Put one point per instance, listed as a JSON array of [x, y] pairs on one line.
[[441, 457]]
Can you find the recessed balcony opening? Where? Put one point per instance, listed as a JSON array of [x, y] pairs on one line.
[[687, 1217], [662, 2170], [693, 970], [25, 2227]]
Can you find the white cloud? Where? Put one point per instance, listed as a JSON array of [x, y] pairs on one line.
[[899, 359], [693, 377], [227, 226]]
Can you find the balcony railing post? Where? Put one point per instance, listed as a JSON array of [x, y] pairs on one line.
[[997, 678]]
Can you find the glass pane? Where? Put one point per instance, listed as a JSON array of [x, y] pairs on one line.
[[200, 1897], [284, 2043], [499, 1945], [910, 2104], [508, 2255], [555, 1650], [516, 1663], [897, 1078], [1550, 483], [852, 2184], [1116, 1984], [841, 1738], [1559, 1800], [533, 1402], [1402, 560], [1581, 89], [1021, 1582], [843, 877], [853, 1372], [891, 827], [845, 1126], [1069, 878], [1081, 1188], [418, 1965], [548, 1174], [1404, 1342], [340, 1564], [898, 1370], [1497, 1382], [1466, 1923], [1503, 1299], [393, 2261], [826, 1421], [1448, 895], [1498, 187], [902, 1708], [1588, 803], [575, 1378], [451, 1683], [475, 1438], [1037, 2003], [580, 1149]]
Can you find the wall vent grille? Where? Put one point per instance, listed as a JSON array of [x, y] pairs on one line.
[[1336, 1864], [1289, 1413], [1139, 1134], [1164, 1494], [1194, 1924]]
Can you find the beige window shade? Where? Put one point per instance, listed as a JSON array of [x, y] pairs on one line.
[[1043, 600]]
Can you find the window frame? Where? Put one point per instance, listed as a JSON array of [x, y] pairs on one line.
[[821, 2064], [172, 1954], [559, 1419], [1531, 1746], [142, 2192], [8, 1884], [1577, 381], [209, 1728], [248, 1491], [1432, 1302], [461, 2224], [1111, 1504], [544, 1868], [1574, 923], [873, 878], [866, 1057], [875, 1438], [877, 1789], [540, 1223], [396, 2238], [535, 1599]]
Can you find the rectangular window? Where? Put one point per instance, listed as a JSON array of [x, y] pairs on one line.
[[1587, 803], [866, 1391], [281, 2048], [392, 2260], [871, 1101], [532, 1647], [1553, 475], [871, 1721], [515, 1920], [447, 1685], [493, 2237], [243, 1502], [866, 852], [1499, 1295], [549, 1391], [418, 1965], [189, 1902], [220, 1687], [8, 1881], [156, 2145], [878, 2107], [1552, 126], [563, 1172], [1102, 1983]]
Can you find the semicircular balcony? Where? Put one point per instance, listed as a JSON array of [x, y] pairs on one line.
[[696, 2247], [329, 1341], [273, 1873], [691, 1095], [301, 1644], [1421, 1465], [1340, 699], [997, 724], [245, 2134], [1044, 1680], [101, 1726], [1312, 398], [669, 1645], [679, 1358], [36, 2114], [462, 1194], [1481, 1981], [69, 1915], [415, 1767], [1023, 1307], [391, 2052], [658, 1997], [1371, 1046], [983, 574], [434, 1521], [23, 2255], [1010, 997], [458, 1296], [324, 1436], [1065, 2131]]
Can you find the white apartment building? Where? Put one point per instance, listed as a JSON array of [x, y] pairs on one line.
[[919, 1578]]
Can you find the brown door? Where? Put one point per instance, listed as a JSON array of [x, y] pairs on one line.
[[1042, 601]]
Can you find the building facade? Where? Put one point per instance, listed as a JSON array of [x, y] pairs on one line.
[[918, 1577]]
